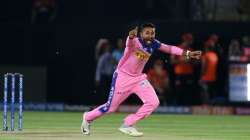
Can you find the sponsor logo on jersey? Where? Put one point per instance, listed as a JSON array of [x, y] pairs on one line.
[[142, 55]]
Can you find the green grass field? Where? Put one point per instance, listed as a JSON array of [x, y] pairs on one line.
[[66, 126]]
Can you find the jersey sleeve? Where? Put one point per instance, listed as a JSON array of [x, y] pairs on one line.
[[170, 49], [130, 42]]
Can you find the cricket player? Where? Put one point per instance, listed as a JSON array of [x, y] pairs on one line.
[[128, 78]]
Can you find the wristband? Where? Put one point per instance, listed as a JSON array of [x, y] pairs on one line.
[[187, 54]]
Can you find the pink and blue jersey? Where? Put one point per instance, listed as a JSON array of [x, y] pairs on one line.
[[137, 53]]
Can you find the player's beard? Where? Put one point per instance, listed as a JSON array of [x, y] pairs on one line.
[[149, 41]]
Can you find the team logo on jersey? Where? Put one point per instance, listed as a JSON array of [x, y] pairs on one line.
[[141, 55]]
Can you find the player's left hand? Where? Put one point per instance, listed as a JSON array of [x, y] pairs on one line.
[[195, 54]]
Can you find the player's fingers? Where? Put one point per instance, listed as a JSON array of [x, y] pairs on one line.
[[198, 57], [194, 57], [197, 52], [132, 32], [136, 28]]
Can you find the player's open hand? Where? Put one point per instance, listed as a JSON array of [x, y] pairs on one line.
[[195, 54], [133, 33]]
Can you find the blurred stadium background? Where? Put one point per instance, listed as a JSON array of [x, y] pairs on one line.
[[67, 51]]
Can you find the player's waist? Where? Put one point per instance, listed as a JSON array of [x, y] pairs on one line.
[[122, 71]]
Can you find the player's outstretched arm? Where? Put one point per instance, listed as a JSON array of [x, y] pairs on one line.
[[178, 51]]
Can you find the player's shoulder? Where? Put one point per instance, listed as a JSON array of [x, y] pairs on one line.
[[156, 44], [157, 41]]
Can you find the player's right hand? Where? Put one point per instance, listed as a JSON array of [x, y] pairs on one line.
[[133, 33], [195, 54]]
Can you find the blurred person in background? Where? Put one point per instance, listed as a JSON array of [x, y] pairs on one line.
[[101, 43], [118, 51], [234, 49], [208, 72], [184, 71], [158, 77], [222, 72], [104, 71], [216, 47]]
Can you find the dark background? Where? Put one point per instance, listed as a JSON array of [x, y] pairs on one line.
[[66, 45]]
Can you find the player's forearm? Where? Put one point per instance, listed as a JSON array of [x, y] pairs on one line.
[[129, 41], [171, 49], [131, 37]]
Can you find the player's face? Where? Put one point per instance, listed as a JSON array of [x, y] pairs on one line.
[[148, 34]]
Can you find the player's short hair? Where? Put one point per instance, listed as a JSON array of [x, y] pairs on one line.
[[145, 25]]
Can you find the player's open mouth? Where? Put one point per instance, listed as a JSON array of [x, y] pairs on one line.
[[148, 41]]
